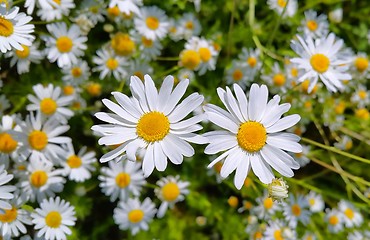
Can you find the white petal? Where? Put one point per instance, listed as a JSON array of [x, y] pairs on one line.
[[275, 162], [151, 92], [114, 153], [185, 107], [284, 142], [231, 162], [261, 169], [160, 159], [176, 95], [148, 161], [170, 150], [221, 157], [242, 171], [222, 143], [165, 92], [284, 123], [242, 100]]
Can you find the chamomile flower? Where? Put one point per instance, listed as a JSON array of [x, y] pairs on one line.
[[345, 143], [15, 30], [54, 218], [315, 202], [92, 10], [64, 45], [55, 10], [277, 230], [41, 181], [78, 166], [149, 49], [279, 6], [252, 59], [351, 216], [23, 58], [335, 220], [208, 55], [170, 191], [360, 65], [252, 135], [276, 79], [109, 64], [123, 44], [152, 23], [121, 179], [140, 68], [296, 209], [361, 96], [50, 103], [76, 73], [314, 25], [265, 207], [127, 6], [134, 215], [187, 74], [189, 26], [320, 59], [357, 235], [155, 124], [5, 190]]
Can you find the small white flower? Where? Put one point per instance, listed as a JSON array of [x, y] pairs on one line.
[[279, 6], [189, 26], [351, 216], [335, 220], [315, 202], [276, 80], [127, 6], [76, 73], [314, 25], [277, 230], [152, 23], [265, 207], [54, 10], [109, 64], [296, 209], [23, 58]]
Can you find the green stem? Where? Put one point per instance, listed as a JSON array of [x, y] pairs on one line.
[[354, 135], [167, 58], [252, 5], [231, 26], [173, 69], [19, 105], [278, 22]]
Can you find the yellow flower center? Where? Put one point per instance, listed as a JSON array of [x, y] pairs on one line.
[[307, 104], [48, 106], [74, 161], [122, 44], [311, 201], [53, 219], [173, 29], [257, 235], [38, 140], [319, 62], [298, 155], [114, 11], [247, 182], [9, 215], [340, 107], [362, 94], [349, 213], [135, 215], [111, 63], [333, 220], [233, 201], [38, 178], [277, 235], [123, 180], [153, 126], [22, 54], [76, 72], [279, 79], [205, 54], [170, 191], [76, 105], [296, 210], [94, 89], [305, 84], [147, 42], [64, 44], [361, 64], [311, 25], [189, 25], [348, 145], [237, 75], [362, 113], [251, 136], [252, 61], [94, 9], [57, 1], [268, 203], [6, 27], [7, 143], [294, 72], [281, 3], [152, 23], [68, 90], [190, 59], [139, 75], [248, 205], [218, 167]]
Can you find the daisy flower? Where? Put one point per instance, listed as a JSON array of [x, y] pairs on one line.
[[15, 30], [351, 216], [276, 230], [41, 181], [5, 190], [139, 68], [23, 58], [314, 25], [155, 123], [252, 135], [149, 49], [361, 96], [152, 23], [174, 31], [189, 26], [170, 191], [296, 209], [336, 15], [76, 73], [109, 64], [49, 102], [78, 166], [127, 6], [315, 201], [64, 45], [357, 235], [123, 44], [121, 179], [279, 6], [187, 74], [252, 59], [55, 10], [265, 207], [320, 59], [134, 215], [360, 65], [344, 143], [93, 11], [335, 220], [208, 56], [53, 218], [276, 79]]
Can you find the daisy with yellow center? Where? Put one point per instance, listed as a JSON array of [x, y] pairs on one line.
[[189, 26], [277, 80], [289, 7], [251, 135], [8, 141], [109, 64], [334, 220], [361, 96], [126, 6], [149, 49], [265, 207], [351, 216], [277, 230], [314, 25], [250, 58], [51, 10], [121, 179], [321, 60], [24, 58], [76, 73], [134, 215], [54, 218], [152, 23], [170, 191], [238, 73], [155, 124], [296, 209]]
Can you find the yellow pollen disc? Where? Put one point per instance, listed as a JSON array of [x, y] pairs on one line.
[[333, 220], [308, 104], [111, 63], [296, 210], [76, 72], [205, 54], [21, 167], [68, 90], [349, 213], [252, 61], [53, 219], [6, 27], [22, 54], [311, 25], [139, 75], [122, 44], [189, 25], [38, 178], [251, 136], [233, 201], [38, 140], [237, 75], [340, 107], [170, 191], [311, 201], [319, 62], [257, 235], [114, 11], [348, 145], [277, 235], [268, 203], [94, 9], [190, 59], [248, 205], [362, 94], [281, 3], [362, 113], [247, 182], [152, 23], [361, 64], [135, 215], [298, 131], [218, 167], [74, 161], [94, 89], [64, 44], [173, 30], [294, 72], [48, 106], [123, 179], [9, 215], [305, 84], [279, 79], [7, 143], [76, 105], [153, 126], [147, 42], [299, 155]]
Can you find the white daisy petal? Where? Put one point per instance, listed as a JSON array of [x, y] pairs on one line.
[[284, 123]]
